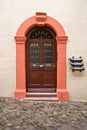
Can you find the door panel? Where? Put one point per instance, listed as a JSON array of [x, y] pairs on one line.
[[34, 78], [41, 65], [48, 78]]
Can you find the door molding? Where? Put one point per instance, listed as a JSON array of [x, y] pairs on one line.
[[40, 19]]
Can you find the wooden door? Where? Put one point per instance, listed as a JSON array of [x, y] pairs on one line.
[[41, 65]]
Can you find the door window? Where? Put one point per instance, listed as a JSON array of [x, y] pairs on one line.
[[48, 53], [34, 53]]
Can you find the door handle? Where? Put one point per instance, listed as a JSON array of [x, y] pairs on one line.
[[53, 66], [41, 65]]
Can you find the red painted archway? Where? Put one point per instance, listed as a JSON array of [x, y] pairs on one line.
[[41, 19]]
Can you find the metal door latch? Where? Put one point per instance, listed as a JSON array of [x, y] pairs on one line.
[[41, 65]]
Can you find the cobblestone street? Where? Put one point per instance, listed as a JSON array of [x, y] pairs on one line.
[[16, 114]]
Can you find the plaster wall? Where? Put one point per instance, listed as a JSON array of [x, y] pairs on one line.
[[72, 15]]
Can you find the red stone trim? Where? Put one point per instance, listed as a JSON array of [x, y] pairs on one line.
[[61, 68], [20, 93], [31, 22], [20, 67], [20, 39], [61, 39], [41, 19], [63, 95]]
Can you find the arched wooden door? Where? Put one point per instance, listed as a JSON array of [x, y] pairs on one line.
[[41, 59]]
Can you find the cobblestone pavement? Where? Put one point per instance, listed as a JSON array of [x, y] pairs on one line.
[[16, 114]]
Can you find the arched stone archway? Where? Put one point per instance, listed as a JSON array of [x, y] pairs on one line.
[[41, 19]]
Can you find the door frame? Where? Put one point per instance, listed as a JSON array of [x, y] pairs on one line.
[[40, 19]]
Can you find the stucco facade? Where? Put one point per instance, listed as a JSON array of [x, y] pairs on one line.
[[71, 14]]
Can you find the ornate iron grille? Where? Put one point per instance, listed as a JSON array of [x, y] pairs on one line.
[[41, 33]]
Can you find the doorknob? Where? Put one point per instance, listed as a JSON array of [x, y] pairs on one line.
[[41, 65]]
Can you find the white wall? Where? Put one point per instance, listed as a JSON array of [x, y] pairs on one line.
[[72, 14]]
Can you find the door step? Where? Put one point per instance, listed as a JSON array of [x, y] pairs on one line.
[[39, 90], [42, 96]]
